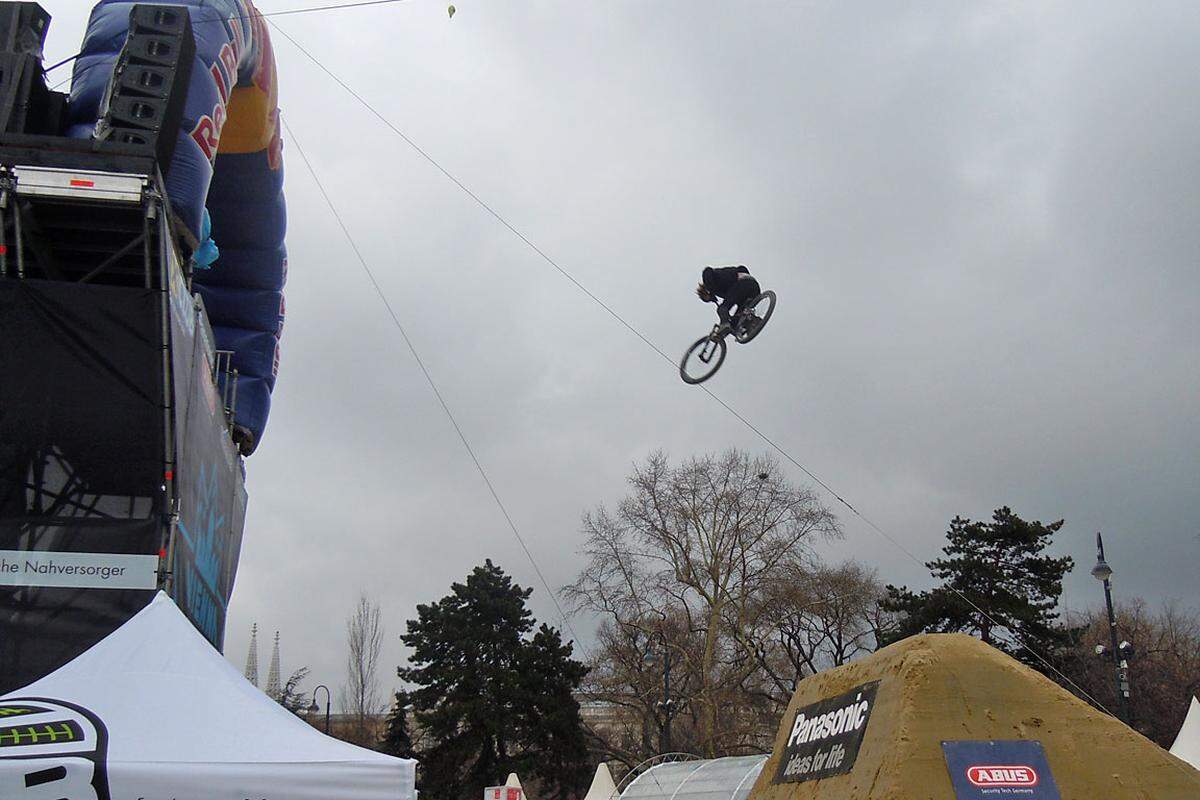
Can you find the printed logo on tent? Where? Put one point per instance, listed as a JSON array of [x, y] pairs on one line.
[[51, 750]]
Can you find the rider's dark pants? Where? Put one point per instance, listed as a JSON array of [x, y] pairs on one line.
[[744, 290]]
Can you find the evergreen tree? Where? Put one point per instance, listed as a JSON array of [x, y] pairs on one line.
[[396, 739], [552, 725], [491, 698], [1000, 568], [291, 697]]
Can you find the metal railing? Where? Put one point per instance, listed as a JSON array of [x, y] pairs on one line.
[[225, 377]]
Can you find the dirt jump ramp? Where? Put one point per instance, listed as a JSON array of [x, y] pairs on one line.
[[947, 717]]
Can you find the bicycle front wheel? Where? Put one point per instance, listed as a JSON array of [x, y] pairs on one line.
[[703, 359]]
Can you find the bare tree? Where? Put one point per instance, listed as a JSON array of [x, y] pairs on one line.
[[1164, 672], [686, 560], [626, 677], [815, 618], [360, 696]]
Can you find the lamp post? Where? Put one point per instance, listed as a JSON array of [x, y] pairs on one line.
[[314, 708], [666, 705], [1103, 572]]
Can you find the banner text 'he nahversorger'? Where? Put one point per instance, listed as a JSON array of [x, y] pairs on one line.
[[78, 570]]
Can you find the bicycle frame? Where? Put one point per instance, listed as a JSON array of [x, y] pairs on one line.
[[711, 347]]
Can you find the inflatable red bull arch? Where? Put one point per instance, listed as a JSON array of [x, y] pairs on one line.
[[227, 158]]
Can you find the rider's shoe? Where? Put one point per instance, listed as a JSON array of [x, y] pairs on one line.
[[724, 329]]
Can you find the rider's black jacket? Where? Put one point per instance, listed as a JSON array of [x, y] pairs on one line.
[[721, 280], [734, 285]]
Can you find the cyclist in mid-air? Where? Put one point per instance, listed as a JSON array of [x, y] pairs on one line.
[[733, 285]]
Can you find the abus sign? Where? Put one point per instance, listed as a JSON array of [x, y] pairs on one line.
[[1012, 769], [1002, 776]]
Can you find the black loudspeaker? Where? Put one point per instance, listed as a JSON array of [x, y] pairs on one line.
[[143, 104], [23, 29]]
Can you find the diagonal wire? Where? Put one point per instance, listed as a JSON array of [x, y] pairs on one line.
[[467, 190], [262, 14], [757, 431], [287, 12], [64, 62], [329, 7], [496, 215], [429, 378]]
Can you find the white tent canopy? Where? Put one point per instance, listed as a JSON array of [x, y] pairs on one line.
[[154, 711], [603, 787], [1187, 743]]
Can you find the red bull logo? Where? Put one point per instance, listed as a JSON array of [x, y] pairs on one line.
[[225, 73], [997, 776], [207, 132]]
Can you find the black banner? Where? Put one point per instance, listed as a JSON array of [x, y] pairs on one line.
[[84, 462], [81, 470], [824, 737]]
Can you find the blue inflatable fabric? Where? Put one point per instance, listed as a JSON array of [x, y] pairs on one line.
[[227, 158]]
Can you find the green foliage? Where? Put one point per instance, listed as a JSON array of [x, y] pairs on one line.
[[396, 739], [493, 696], [1011, 586]]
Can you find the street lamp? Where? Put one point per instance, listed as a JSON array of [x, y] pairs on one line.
[[1124, 651], [666, 705], [314, 708]]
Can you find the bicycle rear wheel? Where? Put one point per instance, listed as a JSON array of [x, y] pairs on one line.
[[755, 315], [703, 359]]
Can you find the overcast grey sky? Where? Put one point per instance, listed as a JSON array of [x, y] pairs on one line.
[[982, 221]]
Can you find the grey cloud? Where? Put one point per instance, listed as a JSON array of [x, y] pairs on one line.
[[982, 223]]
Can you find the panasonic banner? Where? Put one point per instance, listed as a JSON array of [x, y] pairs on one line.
[[1000, 770], [824, 737]]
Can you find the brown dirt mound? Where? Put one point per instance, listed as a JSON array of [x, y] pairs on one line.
[[953, 687]]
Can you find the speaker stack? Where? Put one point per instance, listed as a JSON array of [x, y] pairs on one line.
[[143, 105], [22, 33]]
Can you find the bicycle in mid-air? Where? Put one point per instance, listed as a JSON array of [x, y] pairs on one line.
[[704, 358]]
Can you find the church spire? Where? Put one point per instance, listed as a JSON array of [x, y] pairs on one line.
[[274, 690], [251, 672]]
